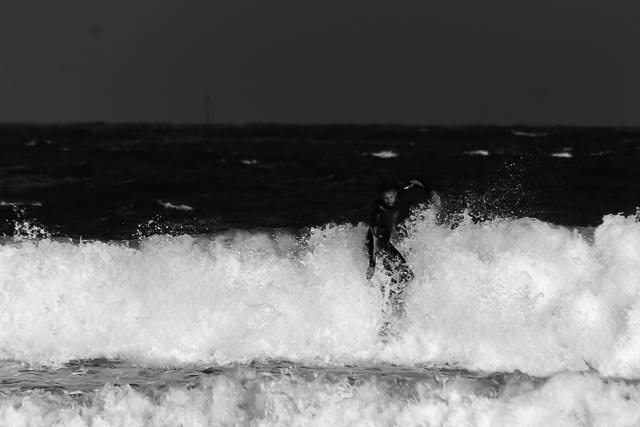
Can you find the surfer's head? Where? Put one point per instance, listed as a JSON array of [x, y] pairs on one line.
[[388, 193], [388, 197]]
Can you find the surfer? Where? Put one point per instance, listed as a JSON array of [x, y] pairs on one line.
[[382, 229]]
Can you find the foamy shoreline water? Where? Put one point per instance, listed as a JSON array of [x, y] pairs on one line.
[[246, 396]]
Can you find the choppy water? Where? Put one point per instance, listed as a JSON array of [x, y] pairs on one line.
[[510, 321], [108, 181], [283, 394]]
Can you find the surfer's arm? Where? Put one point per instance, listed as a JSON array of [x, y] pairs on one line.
[[371, 250], [434, 197], [403, 186], [371, 241], [372, 233]]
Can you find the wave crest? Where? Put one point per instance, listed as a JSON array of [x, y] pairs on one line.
[[503, 295]]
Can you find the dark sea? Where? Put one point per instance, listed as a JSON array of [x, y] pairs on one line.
[[182, 275]]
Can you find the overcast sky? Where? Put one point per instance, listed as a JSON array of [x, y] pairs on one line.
[[309, 61]]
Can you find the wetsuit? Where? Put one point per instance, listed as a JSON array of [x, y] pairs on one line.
[[382, 223], [381, 227]]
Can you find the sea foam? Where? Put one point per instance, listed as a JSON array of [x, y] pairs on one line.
[[247, 398], [499, 296]]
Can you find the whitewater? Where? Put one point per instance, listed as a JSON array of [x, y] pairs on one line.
[[508, 322]]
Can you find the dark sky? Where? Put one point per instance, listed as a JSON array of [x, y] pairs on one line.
[[445, 62]]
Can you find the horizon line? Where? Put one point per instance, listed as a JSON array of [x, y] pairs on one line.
[[306, 124]]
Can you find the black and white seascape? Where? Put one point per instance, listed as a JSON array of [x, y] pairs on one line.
[[186, 196]]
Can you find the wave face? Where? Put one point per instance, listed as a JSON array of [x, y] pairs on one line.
[[499, 296], [248, 398]]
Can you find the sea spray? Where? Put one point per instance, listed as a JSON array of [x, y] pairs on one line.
[[497, 296], [234, 297]]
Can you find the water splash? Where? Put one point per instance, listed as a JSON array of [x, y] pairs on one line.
[[495, 296], [27, 228]]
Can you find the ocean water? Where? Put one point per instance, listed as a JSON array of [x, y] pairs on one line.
[[157, 285]]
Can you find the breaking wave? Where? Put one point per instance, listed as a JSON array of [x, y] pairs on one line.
[[498, 296]]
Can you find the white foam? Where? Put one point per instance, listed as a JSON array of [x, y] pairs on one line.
[[529, 134], [169, 205], [249, 398], [19, 203], [562, 155], [499, 296], [384, 154], [476, 153]]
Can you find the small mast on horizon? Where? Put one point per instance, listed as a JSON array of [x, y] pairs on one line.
[[207, 109]]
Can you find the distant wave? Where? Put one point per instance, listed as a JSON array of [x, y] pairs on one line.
[[19, 203], [529, 134], [562, 155], [169, 205], [34, 142], [476, 153], [385, 154]]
